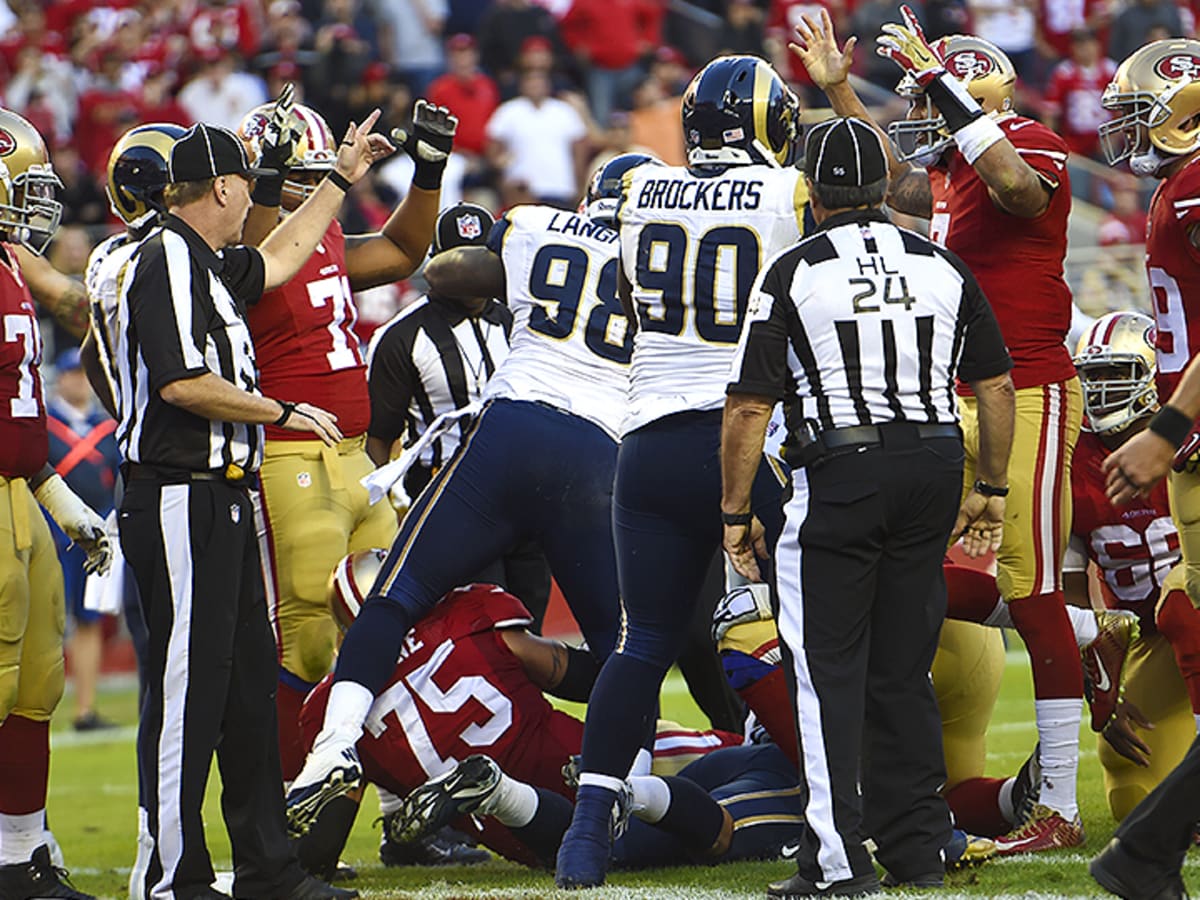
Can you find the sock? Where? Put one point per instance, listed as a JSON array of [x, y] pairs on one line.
[[1044, 625], [1084, 624], [20, 835], [349, 703], [289, 697], [692, 816], [768, 697], [1004, 799], [971, 595], [25, 768], [388, 802], [543, 833], [1179, 623], [643, 762], [514, 803], [651, 797], [1058, 730], [978, 807]]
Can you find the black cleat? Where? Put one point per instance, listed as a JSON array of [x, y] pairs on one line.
[[312, 888], [445, 847], [38, 879], [799, 886]]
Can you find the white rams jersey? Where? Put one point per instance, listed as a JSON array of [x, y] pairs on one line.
[[570, 344], [691, 246], [100, 280]]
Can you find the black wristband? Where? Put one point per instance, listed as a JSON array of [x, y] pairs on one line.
[[576, 682], [268, 190], [737, 518], [428, 175], [953, 102], [1171, 424], [288, 409], [339, 180], [989, 490]]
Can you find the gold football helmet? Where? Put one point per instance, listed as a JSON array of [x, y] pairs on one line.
[[350, 582], [1156, 95], [985, 71], [1116, 366], [137, 171], [315, 153], [29, 213]]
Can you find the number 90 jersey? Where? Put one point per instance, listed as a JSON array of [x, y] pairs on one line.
[[570, 343], [691, 246]]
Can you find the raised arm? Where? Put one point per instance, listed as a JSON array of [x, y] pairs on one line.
[[64, 297]]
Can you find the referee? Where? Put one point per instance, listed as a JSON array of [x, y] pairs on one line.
[[190, 429], [861, 329]]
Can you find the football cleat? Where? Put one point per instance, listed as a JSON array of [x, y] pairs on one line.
[[327, 774], [445, 847], [799, 886], [464, 789], [1027, 787], [1045, 829], [36, 879], [570, 771], [1103, 660], [966, 850]]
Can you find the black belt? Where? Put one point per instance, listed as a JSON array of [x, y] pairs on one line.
[[837, 441], [232, 475]]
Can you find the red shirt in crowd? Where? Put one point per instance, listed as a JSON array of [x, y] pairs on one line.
[[613, 34], [1074, 94], [473, 101], [1058, 18]]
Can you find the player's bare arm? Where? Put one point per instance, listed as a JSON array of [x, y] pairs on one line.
[[1013, 184], [910, 193], [89, 356], [467, 276], [64, 297], [566, 672], [743, 430]]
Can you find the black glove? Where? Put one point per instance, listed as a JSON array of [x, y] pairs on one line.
[[277, 147], [429, 143]]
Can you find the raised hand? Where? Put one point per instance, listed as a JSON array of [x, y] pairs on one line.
[[816, 47], [906, 46], [432, 135], [357, 150], [283, 128]]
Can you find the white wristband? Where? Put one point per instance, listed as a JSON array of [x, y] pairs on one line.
[[974, 138]]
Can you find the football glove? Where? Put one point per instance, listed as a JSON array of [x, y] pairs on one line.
[[748, 603], [277, 147], [1187, 457], [428, 143], [77, 520], [906, 46]]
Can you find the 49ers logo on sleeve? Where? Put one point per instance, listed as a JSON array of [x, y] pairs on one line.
[[969, 64], [8, 143], [1178, 65]]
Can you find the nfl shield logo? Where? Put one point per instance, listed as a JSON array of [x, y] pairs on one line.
[[469, 226], [235, 513]]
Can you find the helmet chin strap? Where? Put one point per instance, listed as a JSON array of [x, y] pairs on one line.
[[767, 155], [1149, 163]]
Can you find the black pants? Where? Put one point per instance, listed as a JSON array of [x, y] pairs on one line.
[[1160, 828], [211, 672], [859, 581]]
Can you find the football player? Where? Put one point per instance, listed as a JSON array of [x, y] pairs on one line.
[[311, 508], [692, 241], [537, 462], [995, 189], [31, 586]]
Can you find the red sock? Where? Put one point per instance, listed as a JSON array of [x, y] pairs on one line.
[[1179, 623], [25, 764], [768, 698], [971, 595], [976, 806], [1044, 625], [288, 700]]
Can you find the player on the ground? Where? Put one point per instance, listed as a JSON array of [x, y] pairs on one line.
[[31, 587], [692, 241], [537, 462], [311, 508], [996, 191]]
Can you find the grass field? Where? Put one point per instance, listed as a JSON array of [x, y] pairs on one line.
[[93, 801]]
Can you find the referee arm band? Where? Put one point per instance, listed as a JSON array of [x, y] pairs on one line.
[[1171, 424]]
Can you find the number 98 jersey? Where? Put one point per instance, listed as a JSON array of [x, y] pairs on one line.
[[691, 246], [570, 345], [1173, 266]]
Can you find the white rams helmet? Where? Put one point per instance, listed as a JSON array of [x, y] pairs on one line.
[[29, 212], [984, 70], [315, 153], [1116, 366], [351, 582], [1156, 95]]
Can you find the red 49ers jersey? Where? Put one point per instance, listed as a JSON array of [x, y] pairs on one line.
[[305, 343], [1018, 262], [1134, 546], [1173, 265], [457, 690], [24, 445]]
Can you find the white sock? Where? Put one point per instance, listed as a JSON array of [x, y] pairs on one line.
[[999, 617], [1197, 718], [514, 803], [388, 802], [349, 703], [1084, 624], [1058, 730], [595, 779], [651, 797], [1005, 800], [20, 836], [642, 762]]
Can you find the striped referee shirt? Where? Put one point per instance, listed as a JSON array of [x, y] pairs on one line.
[[181, 314], [864, 323], [429, 359]]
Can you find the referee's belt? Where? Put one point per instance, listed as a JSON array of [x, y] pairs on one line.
[[232, 475], [839, 441]]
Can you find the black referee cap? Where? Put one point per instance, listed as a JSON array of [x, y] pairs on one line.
[[461, 225], [844, 153], [206, 151]]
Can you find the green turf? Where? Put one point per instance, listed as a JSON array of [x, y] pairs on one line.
[[92, 811]]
